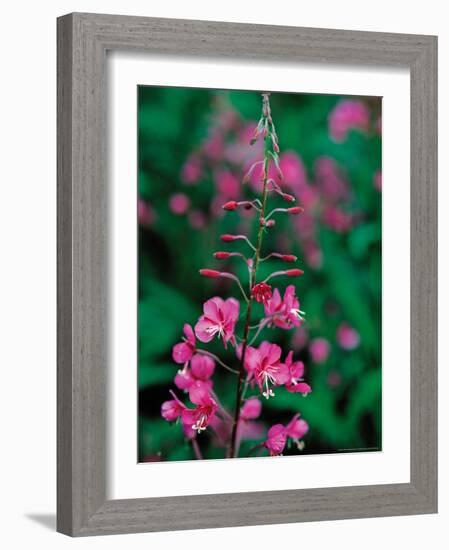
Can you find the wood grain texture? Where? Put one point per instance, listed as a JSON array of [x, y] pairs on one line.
[[83, 40]]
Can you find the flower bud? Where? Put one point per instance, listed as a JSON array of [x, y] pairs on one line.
[[284, 257], [295, 210], [212, 273], [270, 223], [294, 272], [231, 205], [222, 255], [228, 238], [288, 198]]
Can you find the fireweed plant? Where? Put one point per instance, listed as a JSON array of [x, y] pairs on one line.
[[261, 367]]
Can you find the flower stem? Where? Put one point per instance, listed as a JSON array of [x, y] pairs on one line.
[[217, 359], [253, 274]]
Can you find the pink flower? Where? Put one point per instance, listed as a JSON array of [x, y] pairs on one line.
[[197, 219], [294, 383], [199, 417], [276, 440], [172, 410], [219, 318], [284, 313], [202, 367], [145, 213], [213, 146], [179, 203], [184, 379], [227, 184], [331, 184], [337, 219], [377, 180], [296, 429], [192, 170], [348, 114], [251, 409], [347, 337], [264, 366], [182, 352], [261, 292], [293, 169], [319, 350]]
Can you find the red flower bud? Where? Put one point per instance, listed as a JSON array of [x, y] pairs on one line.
[[288, 198], [228, 238], [231, 205], [295, 210], [287, 257], [270, 223], [294, 272], [261, 292], [212, 273], [222, 255]]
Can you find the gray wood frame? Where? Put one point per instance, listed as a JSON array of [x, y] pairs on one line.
[[83, 40]]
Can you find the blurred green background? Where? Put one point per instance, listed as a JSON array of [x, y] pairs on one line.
[[193, 148]]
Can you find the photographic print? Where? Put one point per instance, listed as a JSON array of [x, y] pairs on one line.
[[259, 276]]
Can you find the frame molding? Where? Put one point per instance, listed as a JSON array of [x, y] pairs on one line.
[[83, 40]]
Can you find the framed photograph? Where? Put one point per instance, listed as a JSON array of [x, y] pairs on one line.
[[247, 274]]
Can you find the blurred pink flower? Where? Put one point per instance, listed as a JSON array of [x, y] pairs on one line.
[[276, 440], [347, 337], [333, 379], [179, 203], [192, 171], [284, 312], [145, 213], [319, 350], [199, 417], [219, 318], [337, 219], [228, 185], [263, 365], [300, 338], [348, 114], [214, 145], [197, 219], [313, 254], [293, 169], [251, 409], [330, 181]]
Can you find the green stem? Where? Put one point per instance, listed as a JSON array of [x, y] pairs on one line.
[[253, 275]]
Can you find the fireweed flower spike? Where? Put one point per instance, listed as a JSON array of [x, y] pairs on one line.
[[260, 367]]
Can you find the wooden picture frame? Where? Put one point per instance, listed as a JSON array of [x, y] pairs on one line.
[[83, 40]]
